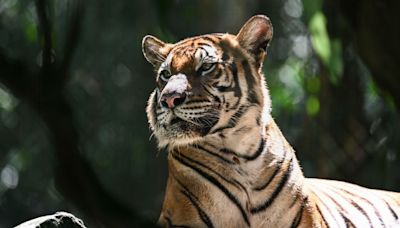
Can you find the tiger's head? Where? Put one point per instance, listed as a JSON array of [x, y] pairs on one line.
[[205, 83]]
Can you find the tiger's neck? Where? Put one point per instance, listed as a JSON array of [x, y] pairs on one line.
[[253, 167]]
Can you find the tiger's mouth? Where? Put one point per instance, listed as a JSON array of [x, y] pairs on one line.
[[179, 129], [176, 120], [200, 124]]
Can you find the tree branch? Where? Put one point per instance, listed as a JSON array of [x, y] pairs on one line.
[[42, 9], [72, 37]]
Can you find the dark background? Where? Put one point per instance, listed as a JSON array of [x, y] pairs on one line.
[[74, 84]]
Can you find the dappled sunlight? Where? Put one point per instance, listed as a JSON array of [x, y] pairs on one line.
[[9, 177]]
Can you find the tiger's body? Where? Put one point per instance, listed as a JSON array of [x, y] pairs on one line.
[[229, 164]]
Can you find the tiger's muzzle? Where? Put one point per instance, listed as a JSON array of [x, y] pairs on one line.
[[175, 92]]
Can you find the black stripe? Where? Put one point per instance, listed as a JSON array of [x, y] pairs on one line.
[[203, 216], [233, 120], [257, 153], [196, 101], [359, 208], [347, 220], [209, 169], [299, 216], [341, 211], [235, 52], [225, 56], [194, 200], [213, 154], [354, 204], [225, 71], [328, 209], [199, 44], [294, 201], [237, 116], [175, 226], [218, 74], [365, 200], [240, 171], [223, 89], [276, 192], [215, 98], [209, 39], [245, 156], [277, 169], [390, 207], [391, 210], [237, 91], [322, 215], [216, 183], [250, 79]]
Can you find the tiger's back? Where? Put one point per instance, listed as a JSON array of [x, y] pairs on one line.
[[341, 204], [229, 164]]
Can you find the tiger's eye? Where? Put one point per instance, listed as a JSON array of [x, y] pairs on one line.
[[207, 68], [165, 75]]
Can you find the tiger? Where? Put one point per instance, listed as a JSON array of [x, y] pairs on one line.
[[229, 164]]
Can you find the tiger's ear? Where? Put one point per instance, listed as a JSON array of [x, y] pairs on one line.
[[255, 35], [155, 50]]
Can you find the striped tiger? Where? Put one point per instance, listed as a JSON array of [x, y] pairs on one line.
[[229, 164]]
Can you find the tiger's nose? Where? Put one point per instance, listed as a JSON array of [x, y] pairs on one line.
[[172, 100]]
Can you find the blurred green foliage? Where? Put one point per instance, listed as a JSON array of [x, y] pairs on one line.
[[110, 82]]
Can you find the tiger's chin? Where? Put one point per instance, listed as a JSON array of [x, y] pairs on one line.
[[179, 133], [171, 140]]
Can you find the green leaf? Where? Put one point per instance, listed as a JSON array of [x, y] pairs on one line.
[[319, 37], [312, 106], [335, 61], [329, 51]]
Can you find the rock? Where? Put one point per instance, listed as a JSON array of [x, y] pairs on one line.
[[57, 220]]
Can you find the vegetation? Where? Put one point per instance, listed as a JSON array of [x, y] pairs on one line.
[[74, 84]]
